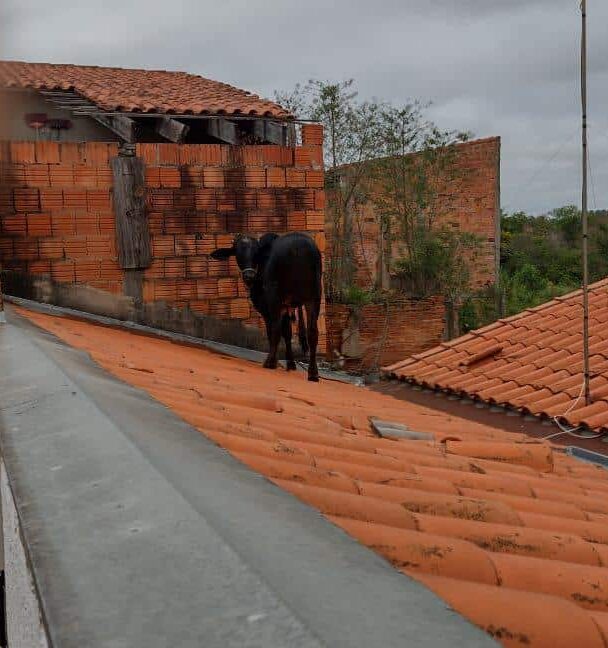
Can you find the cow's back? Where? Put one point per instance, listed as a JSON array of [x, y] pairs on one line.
[[294, 267]]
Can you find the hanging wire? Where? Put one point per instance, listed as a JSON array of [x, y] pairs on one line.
[[545, 164]]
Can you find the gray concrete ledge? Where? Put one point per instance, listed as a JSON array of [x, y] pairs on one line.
[[140, 532], [217, 347]]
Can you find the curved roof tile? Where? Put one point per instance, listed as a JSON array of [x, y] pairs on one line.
[[538, 370], [496, 525], [145, 91]]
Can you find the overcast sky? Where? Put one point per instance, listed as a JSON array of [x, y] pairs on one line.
[[494, 67]]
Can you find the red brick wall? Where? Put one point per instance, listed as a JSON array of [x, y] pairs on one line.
[[387, 333], [473, 203], [57, 220], [56, 214], [199, 196], [470, 202]]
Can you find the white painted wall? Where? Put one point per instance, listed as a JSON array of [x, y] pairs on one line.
[[14, 105]]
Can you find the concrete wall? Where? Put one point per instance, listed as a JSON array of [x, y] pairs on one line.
[[24, 625], [58, 229], [15, 104]]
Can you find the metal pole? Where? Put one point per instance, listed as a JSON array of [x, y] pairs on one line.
[[586, 371]]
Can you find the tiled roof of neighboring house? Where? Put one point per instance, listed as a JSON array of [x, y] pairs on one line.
[[512, 534], [532, 361], [145, 91]]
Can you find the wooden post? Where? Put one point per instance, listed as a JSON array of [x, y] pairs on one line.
[[132, 233]]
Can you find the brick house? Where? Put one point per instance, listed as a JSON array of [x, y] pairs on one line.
[[116, 184], [469, 201]]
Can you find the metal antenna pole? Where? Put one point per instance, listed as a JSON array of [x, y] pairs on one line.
[[584, 206]]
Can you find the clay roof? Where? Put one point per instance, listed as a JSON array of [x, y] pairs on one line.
[[146, 91], [532, 361], [512, 534]]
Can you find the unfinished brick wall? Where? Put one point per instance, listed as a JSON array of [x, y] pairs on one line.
[[474, 203], [470, 202], [200, 196], [56, 216], [376, 335], [57, 222]]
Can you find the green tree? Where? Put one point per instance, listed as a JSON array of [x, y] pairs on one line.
[[351, 135]]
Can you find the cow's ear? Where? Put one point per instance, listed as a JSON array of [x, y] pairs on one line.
[[222, 253]]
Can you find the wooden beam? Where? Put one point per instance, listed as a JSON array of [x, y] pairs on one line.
[[124, 127], [271, 132], [132, 233], [172, 130], [259, 130], [223, 130], [275, 133]]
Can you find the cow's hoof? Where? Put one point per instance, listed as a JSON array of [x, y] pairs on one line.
[[314, 378], [291, 365], [270, 364]]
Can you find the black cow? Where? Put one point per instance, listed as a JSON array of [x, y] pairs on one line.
[[282, 273]]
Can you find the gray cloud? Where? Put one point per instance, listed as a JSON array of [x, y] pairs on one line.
[[495, 67]]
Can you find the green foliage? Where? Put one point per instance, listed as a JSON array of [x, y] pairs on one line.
[[391, 155], [356, 296], [541, 258], [438, 262]]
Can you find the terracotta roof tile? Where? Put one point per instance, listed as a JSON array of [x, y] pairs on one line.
[[516, 618], [539, 367], [496, 525], [126, 90]]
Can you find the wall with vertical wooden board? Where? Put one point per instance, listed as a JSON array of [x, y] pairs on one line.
[[58, 219]]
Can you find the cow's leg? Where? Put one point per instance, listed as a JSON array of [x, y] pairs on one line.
[[267, 323], [312, 315], [271, 361], [274, 326], [286, 332], [302, 331]]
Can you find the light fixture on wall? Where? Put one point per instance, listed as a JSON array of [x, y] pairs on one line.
[[37, 121], [58, 125]]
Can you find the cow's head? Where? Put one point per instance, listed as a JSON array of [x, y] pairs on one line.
[[251, 254]]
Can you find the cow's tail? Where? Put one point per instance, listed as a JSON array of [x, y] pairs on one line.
[[302, 331]]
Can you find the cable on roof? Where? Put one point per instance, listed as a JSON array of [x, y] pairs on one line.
[[571, 431]]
